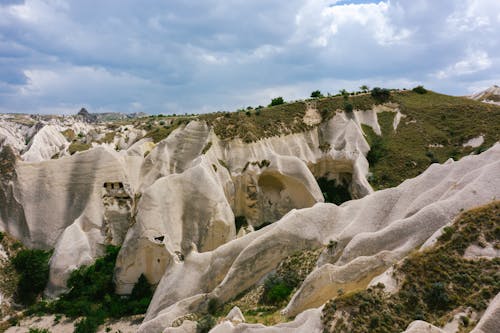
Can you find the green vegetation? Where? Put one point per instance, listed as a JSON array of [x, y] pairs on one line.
[[316, 94], [276, 290], [38, 330], [205, 324], [160, 132], [78, 146], [277, 101], [381, 94], [92, 295], [420, 90], [272, 121], [432, 120], [33, 269], [436, 282]]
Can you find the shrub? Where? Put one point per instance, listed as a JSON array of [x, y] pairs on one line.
[[420, 90], [38, 330], [437, 297], [88, 325], [348, 108], [92, 293], [381, 94], [277, 101], [276, 290], [377, 151], [33, 268], [316, 94], [205, 324]]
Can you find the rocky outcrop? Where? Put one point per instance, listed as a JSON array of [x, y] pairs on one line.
[[490, 95], [369, 235]]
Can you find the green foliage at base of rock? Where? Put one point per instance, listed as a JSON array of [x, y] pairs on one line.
[[33, 269], [92, 295]]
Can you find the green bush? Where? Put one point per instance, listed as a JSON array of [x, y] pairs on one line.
[[348, 108], [381, 94], [92, 294], [276, 290], [205, 324], [316, 94], [277, 101], [88, 325], [33, 268], [38, 330], [377, 150], [420, 90]]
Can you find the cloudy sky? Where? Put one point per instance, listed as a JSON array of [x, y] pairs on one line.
[[177, 56]]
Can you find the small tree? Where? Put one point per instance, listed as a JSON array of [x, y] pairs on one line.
[[316, 94], [381, 94], [277, 101], [420, 90], [364, 88]]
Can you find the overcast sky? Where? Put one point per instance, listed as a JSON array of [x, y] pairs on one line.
[[177, 56]]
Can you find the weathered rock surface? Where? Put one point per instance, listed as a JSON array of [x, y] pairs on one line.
[[172, 207]]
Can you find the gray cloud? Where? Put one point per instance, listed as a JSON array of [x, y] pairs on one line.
[[186, 56]]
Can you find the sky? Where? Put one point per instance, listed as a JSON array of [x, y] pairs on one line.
[[186, 56]]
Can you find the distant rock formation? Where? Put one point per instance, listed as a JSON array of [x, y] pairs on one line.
[[490, 95]]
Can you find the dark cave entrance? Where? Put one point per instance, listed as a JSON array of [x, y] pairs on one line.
[[334, 191]]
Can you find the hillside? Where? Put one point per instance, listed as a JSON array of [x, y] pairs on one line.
[[279, 215]]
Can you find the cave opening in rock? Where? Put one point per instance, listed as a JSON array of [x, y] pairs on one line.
[[334, 191]]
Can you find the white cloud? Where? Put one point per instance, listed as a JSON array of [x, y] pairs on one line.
[[475, 61], [119, 54], [322, 24]]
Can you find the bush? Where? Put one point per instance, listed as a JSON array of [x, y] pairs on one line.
[[92, 292], [33, 268], [88, 325], [377, 151], [437, 297], [348, 108], [316, 94], [420, 90], [205, 324], [38, 330], [276, 290], [381, 94], [277, 101]]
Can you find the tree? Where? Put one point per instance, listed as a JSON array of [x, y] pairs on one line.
[[381, 94], [316, 94], [364, 88], [277, 101], [420, 90]]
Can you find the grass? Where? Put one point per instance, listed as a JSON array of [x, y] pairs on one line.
[[436, 282], [159, 132], [253, 125], [431, 119], [77, 147]]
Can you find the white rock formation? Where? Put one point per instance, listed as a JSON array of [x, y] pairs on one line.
[[235, 316], [47, 142], [308, 321], [371, 233], [172, 207], [419, 326], [490, 95]]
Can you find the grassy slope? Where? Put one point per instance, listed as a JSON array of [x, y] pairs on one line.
[[431, 119], [436, 281], [252, 125]]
